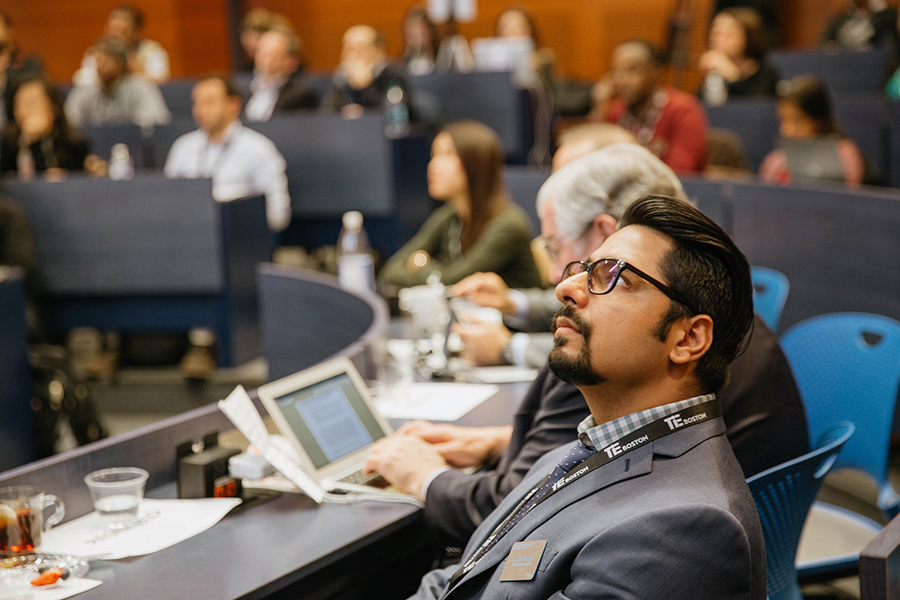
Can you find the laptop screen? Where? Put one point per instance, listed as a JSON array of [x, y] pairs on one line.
[[330, 419]]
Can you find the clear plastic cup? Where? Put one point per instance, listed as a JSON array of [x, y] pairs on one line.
[[117, 494]]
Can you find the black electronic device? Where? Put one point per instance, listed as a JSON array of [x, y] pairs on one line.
[[204, 474]]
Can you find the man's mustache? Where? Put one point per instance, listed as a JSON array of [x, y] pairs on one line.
[[584, 327]]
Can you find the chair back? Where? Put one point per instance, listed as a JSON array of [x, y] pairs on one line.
[[847, 367], [770, 292], [307, 318], [783, 496]]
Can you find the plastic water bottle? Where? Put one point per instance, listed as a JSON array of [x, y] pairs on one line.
[[356, 269], [396, 111], [120, 164], [715, 90]]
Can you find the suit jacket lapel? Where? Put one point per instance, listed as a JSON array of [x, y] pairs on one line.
[[639, 463], [633, 464]]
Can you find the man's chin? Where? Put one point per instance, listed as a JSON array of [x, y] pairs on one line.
[[572, 369]]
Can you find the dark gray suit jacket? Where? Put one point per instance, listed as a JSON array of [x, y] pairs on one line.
[[761, 407], [668, 521], [296, 94]]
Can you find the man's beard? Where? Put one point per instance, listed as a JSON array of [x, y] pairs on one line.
[[577, 370]]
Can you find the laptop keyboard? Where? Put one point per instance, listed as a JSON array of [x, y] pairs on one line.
[[359, 478]]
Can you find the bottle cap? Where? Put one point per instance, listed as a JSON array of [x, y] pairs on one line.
[[352, 219]]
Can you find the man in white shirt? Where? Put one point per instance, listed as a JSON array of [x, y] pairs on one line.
[[147, 58], [241, 162]]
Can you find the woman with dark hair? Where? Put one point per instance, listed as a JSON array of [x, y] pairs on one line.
[[39, 139], [478, 229], [421, 41], [735, 64], [516, 21], [805, 113]]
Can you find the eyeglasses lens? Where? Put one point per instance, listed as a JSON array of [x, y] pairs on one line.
[[603, 275]]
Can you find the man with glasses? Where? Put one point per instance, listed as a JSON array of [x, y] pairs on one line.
[[580, 206], [649, 502]]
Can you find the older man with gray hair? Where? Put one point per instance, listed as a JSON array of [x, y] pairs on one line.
[[579, 207]]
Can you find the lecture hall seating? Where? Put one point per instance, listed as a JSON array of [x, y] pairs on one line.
[[16, 429], [148, 254]]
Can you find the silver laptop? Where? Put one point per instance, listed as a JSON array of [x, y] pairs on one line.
[[813, 160], [505, 54], [326, 413]]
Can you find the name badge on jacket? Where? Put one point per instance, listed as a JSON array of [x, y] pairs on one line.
[[523, 560]]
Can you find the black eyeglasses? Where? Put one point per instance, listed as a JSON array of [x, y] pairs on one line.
[[604, 273]]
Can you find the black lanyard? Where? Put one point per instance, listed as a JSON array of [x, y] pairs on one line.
[[651, 432], [201, 159]]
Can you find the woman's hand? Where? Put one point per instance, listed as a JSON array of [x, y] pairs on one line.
[[716, 60]]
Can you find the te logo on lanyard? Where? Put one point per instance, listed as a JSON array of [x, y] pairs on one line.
[[676, 422]]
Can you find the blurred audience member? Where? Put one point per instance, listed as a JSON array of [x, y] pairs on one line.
[[14, 67], [254, 24], [478, 228], [365, 74], [765, 9], [516, 21], [278, 84], [805, 113], [118, 97], [240, 161], [669, 122], [421, 41], [725, 156], [40, 139], [893, 86], [146, 58], [864, 25], [735, 65], [577, 141]]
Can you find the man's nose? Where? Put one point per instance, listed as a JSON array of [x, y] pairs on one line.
[[574, 290]]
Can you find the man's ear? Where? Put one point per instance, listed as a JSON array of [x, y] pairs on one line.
[[602, 227], [692, 339]]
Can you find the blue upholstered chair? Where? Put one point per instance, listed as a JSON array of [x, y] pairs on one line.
[[770, 292], [847, 367], [783, 495]]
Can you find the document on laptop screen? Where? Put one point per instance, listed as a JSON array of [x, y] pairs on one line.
[[333, 422]]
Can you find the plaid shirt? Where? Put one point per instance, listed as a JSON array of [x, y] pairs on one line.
[[600, 436]]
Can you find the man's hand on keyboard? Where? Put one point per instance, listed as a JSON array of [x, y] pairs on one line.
[[404, 460], [461, 446]]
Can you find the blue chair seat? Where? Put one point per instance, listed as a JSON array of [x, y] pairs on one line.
[[783, 496], [847, 367]]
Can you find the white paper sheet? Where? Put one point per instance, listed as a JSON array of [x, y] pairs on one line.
[[239, 409], [436, 401], [503, 374], [160, 524], [65, 589]]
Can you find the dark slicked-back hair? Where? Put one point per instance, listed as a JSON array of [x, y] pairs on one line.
[[712, 274]]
